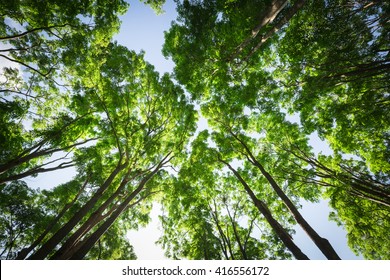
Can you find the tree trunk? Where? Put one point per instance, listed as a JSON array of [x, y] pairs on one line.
[[268, 16], [94, 237], [236, 236], [322, 243], [294, 9], [23, 253], [46, 248], [223, 240], [91, 222], [262, 207]]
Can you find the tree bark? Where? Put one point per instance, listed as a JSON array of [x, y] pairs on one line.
[[322, 243], [91, 222], [224, 241], [353, 182], [262, 207], [94, 237], [294, 9], [236, 236], [268, 16], [23, 253], [47, 247]]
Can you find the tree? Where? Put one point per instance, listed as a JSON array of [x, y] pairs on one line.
[[324, 60], [73, 98], [224, 38], [366, 223], [46, 45], [334, 71], [139, 136], [349, 174], [328, 91], [208, 216], [20, 217], [113, 246], [203, 157]]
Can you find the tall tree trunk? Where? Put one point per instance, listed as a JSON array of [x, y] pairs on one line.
[[322, 243], [23, 253], [94, 237], [91, 222], [223, 240], [353, 182], [262, 207], [236, 236], [47, 247]]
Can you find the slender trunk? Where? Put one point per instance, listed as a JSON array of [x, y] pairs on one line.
[[262, 207], [205, 251], [353, 182], [46, 248], [229, 244], [236, 236], [76, 246], [364, 70], [91, 222], [222, 242], [371, 193], [373, 199], [249, 233], [23, 253], [99, 219], [322, 243], [94, 237]]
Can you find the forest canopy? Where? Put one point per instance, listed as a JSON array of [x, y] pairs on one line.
[[267, 75]]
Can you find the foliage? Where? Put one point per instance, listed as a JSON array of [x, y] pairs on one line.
[[335, 60], [21, 217], [266, 74], [366, 223]]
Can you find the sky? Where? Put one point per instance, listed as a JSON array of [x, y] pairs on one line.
[[143, 30]]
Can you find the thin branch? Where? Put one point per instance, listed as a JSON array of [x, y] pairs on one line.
[[17, 36], [28, 66]]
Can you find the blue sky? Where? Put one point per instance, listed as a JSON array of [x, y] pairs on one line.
[[143, 30]]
